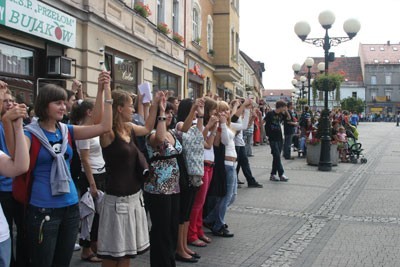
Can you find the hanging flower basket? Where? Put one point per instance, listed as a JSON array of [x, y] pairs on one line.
[[328, 82]]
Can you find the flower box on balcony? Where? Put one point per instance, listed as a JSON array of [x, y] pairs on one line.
[[142, 9], [163, 27]]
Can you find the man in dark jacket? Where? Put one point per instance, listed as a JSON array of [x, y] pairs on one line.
[[273, 120]]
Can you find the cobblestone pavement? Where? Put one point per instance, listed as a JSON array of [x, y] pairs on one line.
[[349, 216]]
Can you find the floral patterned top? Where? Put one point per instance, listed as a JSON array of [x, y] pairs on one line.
[[164, 172]]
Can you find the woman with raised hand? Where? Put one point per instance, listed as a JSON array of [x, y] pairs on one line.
[[123, 231], [11, 167], [215, 219], [93, 174], [190, 115], [53, 213], [162, 190], [196, 235]]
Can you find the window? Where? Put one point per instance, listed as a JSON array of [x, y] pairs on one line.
[[354, 94], [394, 48], [163, 80], [376, 61], [15, 60], [233, 43], [196, 23], [388, 94], [175, 16], [386, 61], [210, 34], [373, 94], [160, 11], [124, 70], [382, 49], [388, 79], [373, 79], [372, 48]]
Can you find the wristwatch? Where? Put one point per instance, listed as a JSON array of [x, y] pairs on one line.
[[109, 101]]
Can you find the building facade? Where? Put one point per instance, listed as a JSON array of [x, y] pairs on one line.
[[186, 47], [352, 86], [381, 70]]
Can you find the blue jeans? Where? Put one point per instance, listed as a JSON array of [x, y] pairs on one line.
[[52, 245], [303, 144], [276, 149], [5, 253], [217, 215], [287, 146]]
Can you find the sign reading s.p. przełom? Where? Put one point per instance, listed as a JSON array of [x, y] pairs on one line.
[[39, 19]]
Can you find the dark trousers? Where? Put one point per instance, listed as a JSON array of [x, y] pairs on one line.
[[52, 242], [287, 146], [276, 149], [243, 162], [14, 213], [100, 180], [164, 215]]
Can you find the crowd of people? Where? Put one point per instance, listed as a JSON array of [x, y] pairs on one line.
[[126, 175]]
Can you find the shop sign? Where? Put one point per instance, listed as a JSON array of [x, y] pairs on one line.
[[37, 18], [376, 109]]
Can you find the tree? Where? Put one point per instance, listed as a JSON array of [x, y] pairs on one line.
[[353, 104]]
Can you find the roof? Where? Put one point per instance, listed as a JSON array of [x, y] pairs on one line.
[[277, 92], [349, 67], [257, 66], [380, 53]]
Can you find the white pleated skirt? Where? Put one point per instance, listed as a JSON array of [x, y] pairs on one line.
[[123, 228]]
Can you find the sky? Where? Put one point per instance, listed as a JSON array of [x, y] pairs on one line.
[[267, 31]]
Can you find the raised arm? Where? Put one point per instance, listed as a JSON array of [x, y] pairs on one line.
[[151, 119], [161, 130], [11, 167], [89, 131]]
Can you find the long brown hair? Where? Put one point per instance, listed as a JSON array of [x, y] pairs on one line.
[[222, 105], [209, 104], [120, 99]]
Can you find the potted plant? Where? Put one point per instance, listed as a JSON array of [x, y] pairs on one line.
[[163, 27], [142, 9], [197, 40], [177, 38], [211, 52]]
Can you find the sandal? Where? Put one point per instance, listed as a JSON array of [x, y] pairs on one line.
[[205, 239], [91, 258], [198, 243]]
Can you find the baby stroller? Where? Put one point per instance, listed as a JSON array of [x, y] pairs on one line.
[[354, 151]]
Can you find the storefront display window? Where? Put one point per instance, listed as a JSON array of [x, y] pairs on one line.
[[15, 60], [124, 70], [163, 80]]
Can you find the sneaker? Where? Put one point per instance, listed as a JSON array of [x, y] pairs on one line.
[[223, 232], [240, 182], [77, 247], [255, 185], [283, 178], [274, 178], [290, 158]]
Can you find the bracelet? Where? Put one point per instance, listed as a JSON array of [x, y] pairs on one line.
[[109, 101], [199, 117], [213, 134], [162, 118]]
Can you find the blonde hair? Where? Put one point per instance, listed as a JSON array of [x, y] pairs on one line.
[[223, 106]]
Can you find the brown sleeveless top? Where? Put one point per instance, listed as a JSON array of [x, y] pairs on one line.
[[120, 158]]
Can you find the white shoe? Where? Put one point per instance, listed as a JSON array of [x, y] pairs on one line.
[[274, 178], [77, 247], [283, 178]]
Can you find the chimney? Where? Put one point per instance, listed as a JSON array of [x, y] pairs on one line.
[[388, 42]]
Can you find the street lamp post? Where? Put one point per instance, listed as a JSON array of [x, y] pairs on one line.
[[302, 29], [309, 62]]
